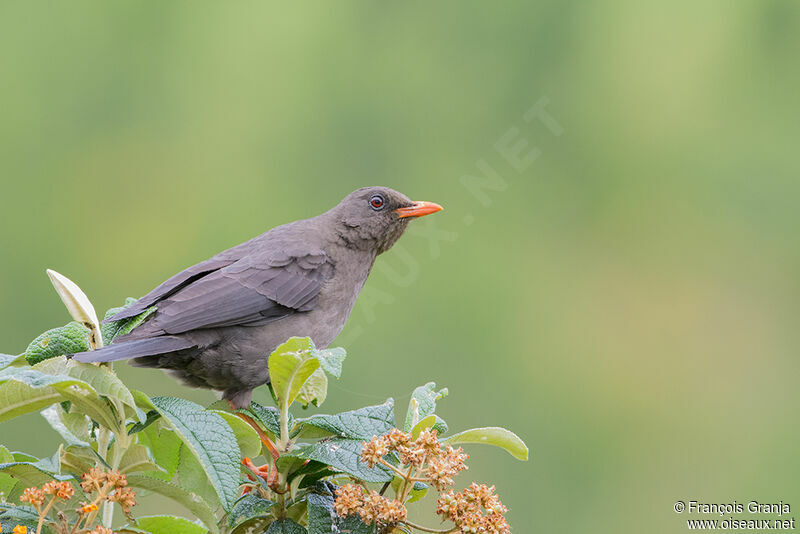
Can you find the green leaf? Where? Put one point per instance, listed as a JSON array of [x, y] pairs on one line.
[[322, 518], [249, 507], [286, 526], [249, 442], [210, 440], [422, 404], [168, 524], [26, 389], [68, 339], [77, 459], [345, 455], [419, 490], [433, 422], [11, 516], [32, 473], [192, 476], [315, 389], [269, 417], [52, 414], [94, 405], [353, 525], [499, 437], [7, 360], [7, 483], [290, 365], [331, 360], [114, 329], [190, 500], [78, 424], [361, 424], [165, 446], [321, 515], [104, 381], [136, 459]]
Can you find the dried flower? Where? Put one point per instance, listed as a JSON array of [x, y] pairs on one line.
[[392, 512], [62, 490], [371, 508], [428, 442], [397, 439], [117, 479], [442, 468], [476, 510], [101, 530], [125, 497], [349, 498], [34, 496], [94, 479], [374, 450]]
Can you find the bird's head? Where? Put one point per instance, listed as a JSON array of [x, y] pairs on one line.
[[374, 218]]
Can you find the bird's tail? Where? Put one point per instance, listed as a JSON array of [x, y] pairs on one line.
[[134, 349]]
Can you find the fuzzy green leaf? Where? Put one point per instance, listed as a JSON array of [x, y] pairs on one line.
[[315, 389], [190, 500], [7, 360], [136, 459], [68, 339], [27, 516], [433, 422], [286, 526], [422, 404], [53, 415], [210, 440], [322, 518], [290, 365], [345, 455], [165, 446], [32, 473], [269, 417], [249, 442], [361, 424], [26, 389], [249, 507], [499, 437], [7, 483], [167, 524], [331, 360]]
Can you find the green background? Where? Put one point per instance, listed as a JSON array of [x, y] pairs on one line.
[[627, 302]]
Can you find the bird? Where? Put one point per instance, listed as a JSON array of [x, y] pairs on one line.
[[216, 322]]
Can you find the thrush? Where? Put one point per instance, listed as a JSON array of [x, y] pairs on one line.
[[215, 323]]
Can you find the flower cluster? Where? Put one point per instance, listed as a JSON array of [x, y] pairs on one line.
[[442, 463], [103, 486], [371, 507], [476, 510], [111, 486]]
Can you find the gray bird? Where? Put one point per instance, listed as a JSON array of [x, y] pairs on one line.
[[216, 321]]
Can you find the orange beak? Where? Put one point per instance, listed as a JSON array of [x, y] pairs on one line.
[[418, 209]]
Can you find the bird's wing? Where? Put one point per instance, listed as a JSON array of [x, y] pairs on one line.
[[183, 279], [255, 289]]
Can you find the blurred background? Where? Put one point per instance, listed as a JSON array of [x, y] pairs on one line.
[[614, 277]]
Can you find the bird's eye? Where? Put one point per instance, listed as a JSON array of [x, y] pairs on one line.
[[376, 202]]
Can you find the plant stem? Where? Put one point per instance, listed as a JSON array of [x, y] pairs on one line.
[[393, 468], [284, 439], [44, 513]]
